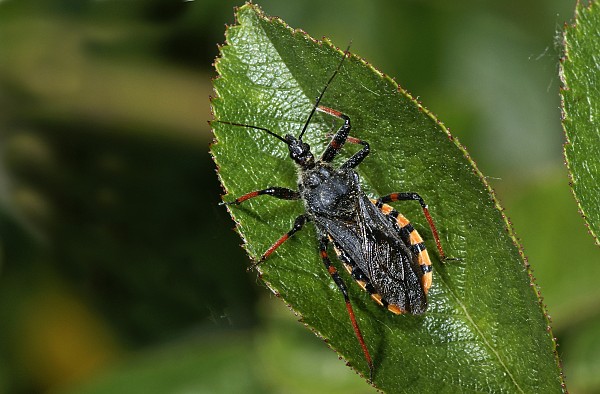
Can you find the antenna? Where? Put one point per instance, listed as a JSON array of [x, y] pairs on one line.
[[312, 112], [256, 128]]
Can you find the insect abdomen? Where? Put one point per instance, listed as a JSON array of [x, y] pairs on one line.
[[413, 239], [364, 282]]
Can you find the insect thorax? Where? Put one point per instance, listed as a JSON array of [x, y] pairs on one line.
[[329, 191]]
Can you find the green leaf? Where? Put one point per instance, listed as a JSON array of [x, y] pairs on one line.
[[580, 74], [485, 329]]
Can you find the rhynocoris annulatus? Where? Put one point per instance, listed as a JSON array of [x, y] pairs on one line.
[[377, 245]]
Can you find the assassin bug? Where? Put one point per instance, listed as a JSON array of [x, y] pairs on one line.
[[377, 245]]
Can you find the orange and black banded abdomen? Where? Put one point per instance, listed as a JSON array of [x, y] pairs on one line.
[[413, 240]]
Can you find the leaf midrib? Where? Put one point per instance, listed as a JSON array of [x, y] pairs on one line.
[[479, 332]]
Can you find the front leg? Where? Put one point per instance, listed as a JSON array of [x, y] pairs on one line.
[[359, 156], [339, 139]]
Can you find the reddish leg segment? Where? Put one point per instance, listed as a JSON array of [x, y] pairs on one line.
[[298, 224], [342, 286], [275, 191], [340, 138]]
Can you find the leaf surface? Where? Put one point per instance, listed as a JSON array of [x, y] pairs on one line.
[[485, 329], [580, 74]]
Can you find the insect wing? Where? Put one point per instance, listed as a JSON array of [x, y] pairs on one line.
[[372, 243]]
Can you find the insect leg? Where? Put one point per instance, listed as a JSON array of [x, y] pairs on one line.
[[298, 224], [339, 138], [323, 241], [342, 137], [277, 192], [414, 196], [359, 156]]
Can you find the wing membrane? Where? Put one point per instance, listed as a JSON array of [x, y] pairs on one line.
[[372, 243]]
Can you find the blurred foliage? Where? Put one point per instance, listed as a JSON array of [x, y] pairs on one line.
[[115, 258]]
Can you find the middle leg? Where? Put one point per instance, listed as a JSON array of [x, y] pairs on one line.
[[298, 224]]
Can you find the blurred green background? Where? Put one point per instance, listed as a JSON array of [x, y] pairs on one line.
[[118, 271]]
